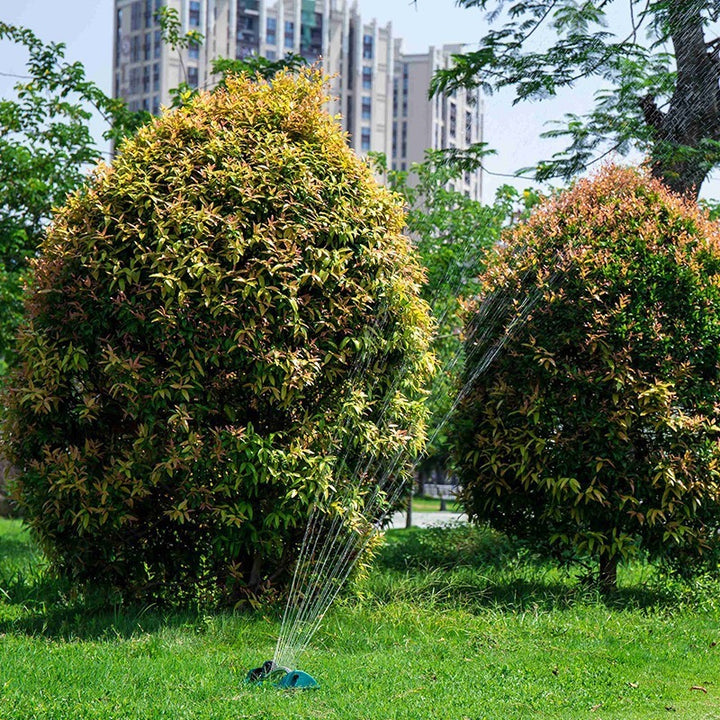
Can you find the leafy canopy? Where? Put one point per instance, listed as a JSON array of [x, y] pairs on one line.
[[595, 432], [658, 61], [224, 333]]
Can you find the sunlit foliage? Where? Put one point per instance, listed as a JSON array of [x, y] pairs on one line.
[[657, 65], [224, 325], [595, 432]]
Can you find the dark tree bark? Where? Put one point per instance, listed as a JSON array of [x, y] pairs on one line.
[[608, 574], [694, 112]]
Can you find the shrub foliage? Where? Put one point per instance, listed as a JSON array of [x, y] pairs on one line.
[[595, 431], [224, 324]]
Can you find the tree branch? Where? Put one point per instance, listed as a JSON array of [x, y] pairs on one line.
[[654, 117]]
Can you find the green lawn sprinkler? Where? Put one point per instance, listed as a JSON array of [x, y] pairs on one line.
[[282, 677]]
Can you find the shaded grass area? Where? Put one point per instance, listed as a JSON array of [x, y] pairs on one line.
[[451, 623]]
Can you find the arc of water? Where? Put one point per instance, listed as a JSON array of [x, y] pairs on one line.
[[300, 625]]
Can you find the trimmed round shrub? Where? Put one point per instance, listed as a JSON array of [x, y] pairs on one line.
[[224, 326], [594, 431]]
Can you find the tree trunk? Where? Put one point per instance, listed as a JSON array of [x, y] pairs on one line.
[[608, 574], [693, 117], [254, 580], [408, 517], [6, 472]]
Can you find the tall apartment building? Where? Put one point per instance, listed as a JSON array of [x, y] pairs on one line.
[[379, 93], [454, 120]]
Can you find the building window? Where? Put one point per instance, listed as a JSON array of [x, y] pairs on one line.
[[135, 48], [134, 87], [368, 47], [246, 28], [403, 140], [368, 42], [366, 107], [157, 44], [156, 105], [394, 141], [468, 127], [365, 139], [147, 46], [146, 79], [396, 96], [156, 77], [271, 31], [271, 55], [311, 34], [289, 34], [136, 15], [146, 105], [453, 120], [194, 13], [192, 73], [118, 35], [148, 13], [367, 77], [351, 54], [405, 86], [193, 51]]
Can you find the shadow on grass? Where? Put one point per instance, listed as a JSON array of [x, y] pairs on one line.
[[475, 568], [34, 603], [461, 567], [474, 592], [49, 608]]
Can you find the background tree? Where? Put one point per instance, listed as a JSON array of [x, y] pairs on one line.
[[663, 72], [596, 432], [452, 234], [46, 148]]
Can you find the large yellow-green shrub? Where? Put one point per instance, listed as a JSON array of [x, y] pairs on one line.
[[224, 324]]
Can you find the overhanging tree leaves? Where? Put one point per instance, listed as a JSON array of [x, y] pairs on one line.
[[45, 145], [662, 70]]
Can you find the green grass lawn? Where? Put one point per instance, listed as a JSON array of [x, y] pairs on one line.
[[451, 623], [424, 503]]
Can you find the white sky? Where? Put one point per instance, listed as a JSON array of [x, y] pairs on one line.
[[86, 26]]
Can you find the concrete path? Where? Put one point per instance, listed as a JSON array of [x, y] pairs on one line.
[[428, 519]]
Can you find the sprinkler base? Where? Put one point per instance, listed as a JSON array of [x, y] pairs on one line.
[[283, 677]]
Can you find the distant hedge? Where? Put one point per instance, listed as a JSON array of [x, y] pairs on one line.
[[217, 319], [596, 431]]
